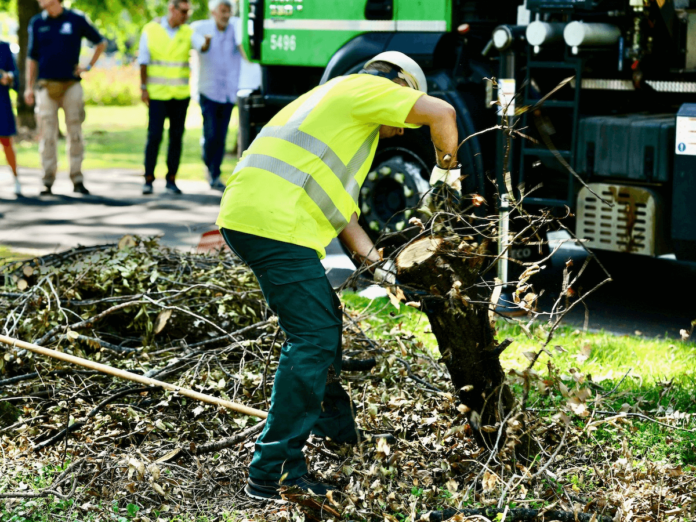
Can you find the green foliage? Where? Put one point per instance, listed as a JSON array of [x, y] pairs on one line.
[[8, 414], [416, 492], [132, 509], [8, 8], [116, 87], [119, 20], [38, 509]]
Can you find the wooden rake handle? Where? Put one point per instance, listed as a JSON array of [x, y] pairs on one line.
[[133, 377]]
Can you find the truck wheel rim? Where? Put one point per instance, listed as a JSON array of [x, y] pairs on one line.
[[392, 189]]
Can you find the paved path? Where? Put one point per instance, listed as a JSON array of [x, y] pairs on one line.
[[116, 207], [647, 295]]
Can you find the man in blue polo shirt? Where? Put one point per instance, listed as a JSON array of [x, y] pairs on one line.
[[55, 40]]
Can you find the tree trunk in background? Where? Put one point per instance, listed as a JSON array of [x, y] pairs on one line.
[[25, 10]]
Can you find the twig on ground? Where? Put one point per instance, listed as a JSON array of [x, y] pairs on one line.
[[410, 373], [228, 442]]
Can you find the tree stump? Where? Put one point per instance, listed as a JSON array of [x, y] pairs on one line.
[[446, 272]]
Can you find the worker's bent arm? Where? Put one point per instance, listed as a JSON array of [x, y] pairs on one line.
[[441, 117], [358, 243]]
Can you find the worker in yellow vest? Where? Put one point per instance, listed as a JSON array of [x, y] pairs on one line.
[[292, 192], [164, 72]]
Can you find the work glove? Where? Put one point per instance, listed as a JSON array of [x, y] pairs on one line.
[[449, 177], [439, 194], [386, 273]]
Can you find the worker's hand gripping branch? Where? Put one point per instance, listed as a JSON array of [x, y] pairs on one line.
[[386, 273], [446, 185], [449, 176]]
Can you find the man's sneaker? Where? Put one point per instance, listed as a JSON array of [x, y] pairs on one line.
[[147, 189], [80, 188], [270, 490], [217, 184], [46, 191], [171, 188], [18, 188]]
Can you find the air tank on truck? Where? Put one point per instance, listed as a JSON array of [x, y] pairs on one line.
[[620, 130]]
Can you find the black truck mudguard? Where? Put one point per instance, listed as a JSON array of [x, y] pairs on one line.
[[350, 58]]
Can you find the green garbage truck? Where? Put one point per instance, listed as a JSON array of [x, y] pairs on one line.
[[620, 129]]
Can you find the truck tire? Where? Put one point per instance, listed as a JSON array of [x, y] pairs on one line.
[[395, 184]]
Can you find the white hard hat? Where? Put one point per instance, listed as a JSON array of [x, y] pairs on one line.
[[410, 70]]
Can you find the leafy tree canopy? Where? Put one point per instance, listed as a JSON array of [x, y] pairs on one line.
[[119, 20]]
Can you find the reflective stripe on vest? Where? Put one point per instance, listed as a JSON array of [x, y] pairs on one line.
[[168, 70], [170, 64], [168, 81], [303, 180], [291, 133]]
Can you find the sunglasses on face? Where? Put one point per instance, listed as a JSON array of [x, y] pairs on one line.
[[183, 11]]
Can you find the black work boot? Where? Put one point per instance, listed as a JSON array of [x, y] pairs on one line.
[[47, 191], [270, 490]]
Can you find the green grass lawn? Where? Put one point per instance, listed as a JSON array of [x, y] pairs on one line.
[[8, 255], [115, 138], [605, 356]]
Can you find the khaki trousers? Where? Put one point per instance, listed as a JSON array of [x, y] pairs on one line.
[[46, 110]]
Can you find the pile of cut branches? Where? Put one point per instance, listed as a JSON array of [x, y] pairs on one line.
[[83, 445]]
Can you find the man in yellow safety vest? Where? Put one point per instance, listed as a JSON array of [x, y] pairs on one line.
[[293, 191], [164, 72]]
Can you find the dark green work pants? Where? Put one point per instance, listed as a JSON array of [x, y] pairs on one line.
[[296, 288]]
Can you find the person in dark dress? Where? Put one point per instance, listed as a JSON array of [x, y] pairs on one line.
[[9, 79]]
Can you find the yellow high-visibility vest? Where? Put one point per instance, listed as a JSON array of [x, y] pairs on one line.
[[168, 70], [299, 181]]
